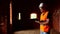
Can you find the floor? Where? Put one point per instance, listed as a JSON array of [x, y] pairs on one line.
[[35, 31]]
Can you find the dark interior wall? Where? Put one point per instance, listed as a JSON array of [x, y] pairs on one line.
[[25, 7], [4, 12], [55, 15]]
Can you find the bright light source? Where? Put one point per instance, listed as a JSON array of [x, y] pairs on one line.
[[19, 16], [10, 13], [33, 16], [41, 4]]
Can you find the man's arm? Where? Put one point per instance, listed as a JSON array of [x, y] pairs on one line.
[[46, 22]]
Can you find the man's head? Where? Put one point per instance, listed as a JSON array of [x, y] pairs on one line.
[[42, 7]]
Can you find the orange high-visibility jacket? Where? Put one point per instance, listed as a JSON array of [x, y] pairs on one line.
[[43, 18]]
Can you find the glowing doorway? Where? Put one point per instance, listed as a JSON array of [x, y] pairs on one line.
[[33, 16]]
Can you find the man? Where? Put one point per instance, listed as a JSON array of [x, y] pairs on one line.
[[44, 20]]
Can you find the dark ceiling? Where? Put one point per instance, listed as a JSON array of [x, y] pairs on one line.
[[31, 5], [26, 5]]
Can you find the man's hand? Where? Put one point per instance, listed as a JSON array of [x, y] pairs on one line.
[[37, 22]]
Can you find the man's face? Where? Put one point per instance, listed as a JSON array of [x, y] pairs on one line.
[[41, 10]]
